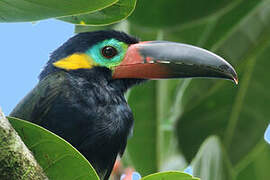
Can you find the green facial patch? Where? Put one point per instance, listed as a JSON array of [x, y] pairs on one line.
[[97, 53]]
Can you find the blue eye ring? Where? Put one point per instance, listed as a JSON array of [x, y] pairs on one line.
[[109, 52]]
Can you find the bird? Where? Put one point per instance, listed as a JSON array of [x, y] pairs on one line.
[[80, 93]]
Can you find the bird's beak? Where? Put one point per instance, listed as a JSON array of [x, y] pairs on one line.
[[161, 59]]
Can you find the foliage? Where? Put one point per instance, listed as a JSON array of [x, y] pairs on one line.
[[173, 175], [237, 116], [112, 14], [239, 31], [212, 124], [58, 158], [16, 10], [94, 12]]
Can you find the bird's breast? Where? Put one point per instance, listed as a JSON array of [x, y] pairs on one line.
[[100, 111]]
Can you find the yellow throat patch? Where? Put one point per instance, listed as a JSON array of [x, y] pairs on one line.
[[75, 61]]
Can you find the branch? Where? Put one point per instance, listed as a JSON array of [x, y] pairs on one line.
[[16, 161]]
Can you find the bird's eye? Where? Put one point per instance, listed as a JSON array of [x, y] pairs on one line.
[[109, 52]]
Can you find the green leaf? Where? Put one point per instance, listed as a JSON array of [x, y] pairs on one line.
[[117, 12], [152, 137], [255, 165], [171, 175], [214, 102], [238, 115], [29, 10], [224, 25], [57, 157], [167, 14], [143, 146], [210, 32]]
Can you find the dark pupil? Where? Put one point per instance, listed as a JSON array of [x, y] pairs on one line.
[[109, 51]]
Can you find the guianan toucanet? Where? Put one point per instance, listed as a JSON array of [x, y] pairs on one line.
[[80, 94]]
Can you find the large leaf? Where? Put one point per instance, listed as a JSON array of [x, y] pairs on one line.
[[57, 157], [172, 175], [239, 116], [209, 33], [167, 14], [120, 10], [160, 130], [252, 45], [30, 10], [149, 143], [143, 146], [255, 166]]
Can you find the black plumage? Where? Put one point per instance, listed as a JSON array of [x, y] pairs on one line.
[[86, 107]]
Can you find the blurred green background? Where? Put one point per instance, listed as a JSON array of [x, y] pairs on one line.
[[213, 125]]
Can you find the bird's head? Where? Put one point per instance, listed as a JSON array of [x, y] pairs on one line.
[[124, 57]]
